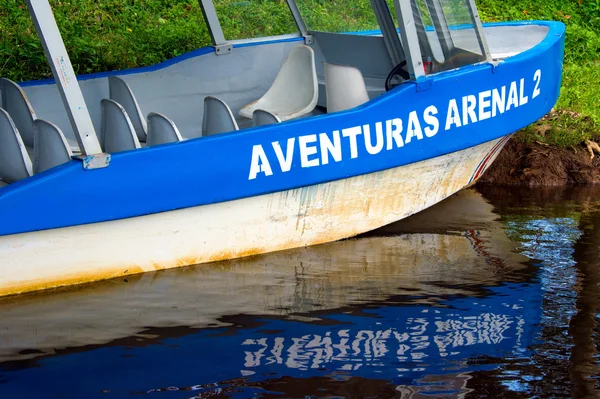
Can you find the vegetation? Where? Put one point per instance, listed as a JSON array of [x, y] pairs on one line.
[[577, 114], [115, 34]]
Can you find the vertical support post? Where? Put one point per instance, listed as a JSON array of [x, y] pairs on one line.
[[410, 38], [441, 27], [214, 27], [483, 44], [66, 81], [299, 21], [388, 30]]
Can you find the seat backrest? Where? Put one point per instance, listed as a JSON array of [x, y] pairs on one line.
[[217, 117], [161, 130], [344, 87], [15, 163], [50, 146], [120, 92], [15, 102], [296, 83], [261, 117], [117, 133]]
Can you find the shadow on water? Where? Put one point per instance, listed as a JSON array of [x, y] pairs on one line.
[[491, 294]]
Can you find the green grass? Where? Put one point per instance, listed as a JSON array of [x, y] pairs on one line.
[[577, 113], [103, 35]]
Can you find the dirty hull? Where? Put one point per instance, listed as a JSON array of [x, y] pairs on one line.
[[283, 220]]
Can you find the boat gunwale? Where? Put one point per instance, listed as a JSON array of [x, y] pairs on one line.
[[286, 38]]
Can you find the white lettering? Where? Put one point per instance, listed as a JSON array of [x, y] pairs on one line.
[[484, 104], [324, 148], [259, 163], [306, 151], [432, 122], [352, 132], [414, 128], [285, 162], [523, 99], [393, 128], [537, 78], [453, 117], [374, 149], [469, 103], [513, 96], [498, 102], [327, 147]]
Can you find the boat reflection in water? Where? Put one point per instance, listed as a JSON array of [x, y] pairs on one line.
[[409, 310]]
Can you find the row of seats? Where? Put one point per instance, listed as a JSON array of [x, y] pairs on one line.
[[50, 148], [23, 136], [294, 93], [30, 145], [124, 126]]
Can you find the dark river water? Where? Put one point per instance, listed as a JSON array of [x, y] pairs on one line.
[[492, 293]]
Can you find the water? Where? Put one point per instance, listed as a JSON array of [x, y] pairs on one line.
[[489, 294]]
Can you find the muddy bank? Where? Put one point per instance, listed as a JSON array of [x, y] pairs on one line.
[[540, 165]]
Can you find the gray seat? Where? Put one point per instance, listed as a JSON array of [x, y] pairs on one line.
[[295, 90], [344, 86], [120, 92], [15, 163], [50, 147], [161, 130], [218, 117], [117, 133], [261, 117], [15, 102]]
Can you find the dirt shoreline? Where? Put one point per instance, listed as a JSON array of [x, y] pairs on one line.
[[521, 164]]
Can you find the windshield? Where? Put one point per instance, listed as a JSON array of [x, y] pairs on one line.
[[340, 16], [448, 35]]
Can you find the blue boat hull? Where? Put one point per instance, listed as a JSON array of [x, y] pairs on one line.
[[438, 115]]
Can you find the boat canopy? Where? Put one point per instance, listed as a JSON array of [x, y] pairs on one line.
[[431, 35], [421, 37]]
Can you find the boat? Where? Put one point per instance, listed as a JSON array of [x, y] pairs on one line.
[[257, 145]]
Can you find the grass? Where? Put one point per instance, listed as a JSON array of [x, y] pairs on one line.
[[577, 113], [103, 35]]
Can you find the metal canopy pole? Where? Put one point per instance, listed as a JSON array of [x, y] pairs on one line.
[[299, 21], [410, 38], [483, 44], [214, 27], [441, 27], [66, 81], [388, 30]]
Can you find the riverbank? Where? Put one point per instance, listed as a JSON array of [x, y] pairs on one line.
[[523, 163]]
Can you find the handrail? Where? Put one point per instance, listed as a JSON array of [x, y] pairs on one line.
[[214, 27]]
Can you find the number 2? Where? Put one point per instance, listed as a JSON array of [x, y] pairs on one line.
[[537, 78]]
